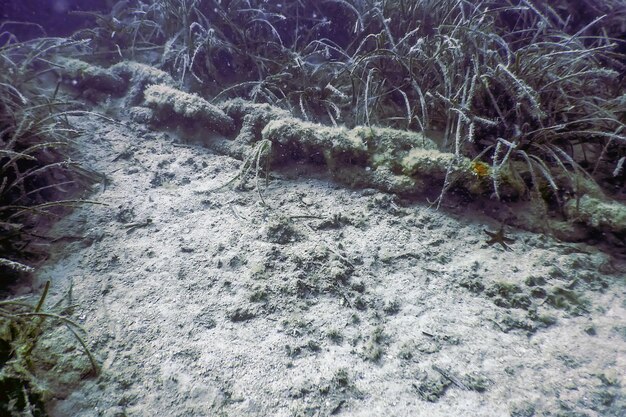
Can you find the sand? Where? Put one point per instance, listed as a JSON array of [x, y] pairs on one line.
[[200, 300]]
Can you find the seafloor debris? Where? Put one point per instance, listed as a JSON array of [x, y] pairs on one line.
[[170, 103], [83, 75], [598, 213], [139, 76], [388, 159]]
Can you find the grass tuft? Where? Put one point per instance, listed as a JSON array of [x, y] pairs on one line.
[[38, 178], [21, 327]]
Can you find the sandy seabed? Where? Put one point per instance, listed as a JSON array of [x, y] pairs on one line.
[[202, 301]]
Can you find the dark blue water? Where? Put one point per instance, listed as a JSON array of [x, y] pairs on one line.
[[48, 17]]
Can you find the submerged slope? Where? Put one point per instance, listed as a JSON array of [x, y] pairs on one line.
[[330, 301]]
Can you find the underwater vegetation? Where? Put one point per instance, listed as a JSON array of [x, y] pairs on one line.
[[524, 100], [505, 99], [38, 176], [38, 183], [531, 91], [23, 388]]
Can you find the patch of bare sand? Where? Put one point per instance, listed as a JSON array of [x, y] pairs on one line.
[[329, 302]]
